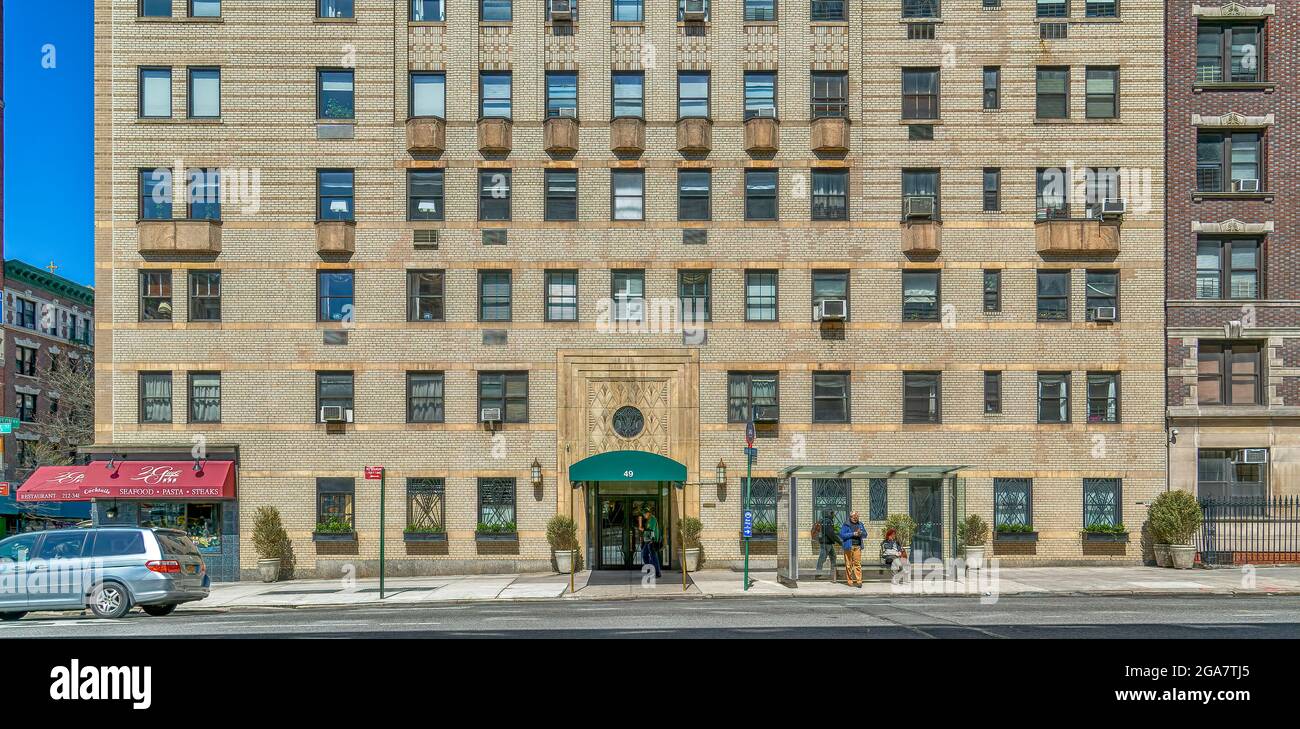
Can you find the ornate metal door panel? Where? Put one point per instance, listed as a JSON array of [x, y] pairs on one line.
[[926, 507]]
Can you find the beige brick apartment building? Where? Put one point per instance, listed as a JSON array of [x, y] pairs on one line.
[[431, 216]]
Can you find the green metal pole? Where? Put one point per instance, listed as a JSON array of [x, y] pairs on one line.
[[749, 471], [383, 480]]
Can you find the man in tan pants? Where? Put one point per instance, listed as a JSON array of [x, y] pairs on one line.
[[851, 535]]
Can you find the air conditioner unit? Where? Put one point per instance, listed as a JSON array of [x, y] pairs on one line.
[[567, 112], [1247, 185], [490, 415], [1251, 455], [695, 10], [425, 237], [766, 112], [1104, 313], [561, 9], [767, 413], [1114, 206], [335, 414], [918, 206], [831, 310]]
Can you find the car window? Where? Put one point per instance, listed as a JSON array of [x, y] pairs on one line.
[[118, 543], [19, 548], [62, 545], [176, 544]]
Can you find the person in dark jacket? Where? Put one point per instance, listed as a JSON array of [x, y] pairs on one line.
[[826, 538], [852, 533], [650, 541]]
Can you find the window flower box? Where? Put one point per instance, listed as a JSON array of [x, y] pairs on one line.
[[424, 537], [334, 536], [1015, 537], [496, 536], [1106, 535]]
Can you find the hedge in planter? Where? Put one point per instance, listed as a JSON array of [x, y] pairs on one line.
[[690, 528], [1175, 516], [271, 541], [562, 535], [973, 531]]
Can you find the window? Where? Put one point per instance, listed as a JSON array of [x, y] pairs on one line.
[[749, 390], [156, 194], [25, 310], [427, 11], [830, 194], [628, 11], [25, 361], [155, 297], [1013, 502], [1053, 200], [205, 397], [334, 94], [155, 92], [1053, 92], [1053, 296], [992, 88], [1221, 475], [692, 94], [335, 193], [694, 295], [203, 194], [760, 94], [424, 290], [1229, 373], [1224, 160], [920, 8], [922, 183], [496, 504], [1053, 8], [25, 403], [205, 296], [830, 397], [494, 11], [629, 92], [760, 10], [424, 195], [830, 94], [828, 285], [494, 296], [156, 8], [429, 95], [627, 289], [992, 289], [877, 499], [760, 194], [762, 501], [827, 10], [693, 188], [562, 94], [992, 189], [992, 393], [1101, 289], [629, 194], [424, 397], [335, 499], [832, 494], [204, 93], [335, 290], [1101, 8], [426, 506], [494, 194], [1103, 397], [561, 296], [561, 195], [334, 8], [1100, 184], [155, 397], [1053, 397], [1102, 503], [1228, 268], [505, 390], [1229, 53], [494, 94], [333, 389], [920, 296], [760, 295], [921, 397], [1102, 93], [920, 93]]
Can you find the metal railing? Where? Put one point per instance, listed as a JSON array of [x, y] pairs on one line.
[[1250, 530]]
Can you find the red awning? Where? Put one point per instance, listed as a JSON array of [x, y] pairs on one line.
[[170, 480]]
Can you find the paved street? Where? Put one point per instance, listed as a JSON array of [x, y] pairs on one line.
[[864, 617]]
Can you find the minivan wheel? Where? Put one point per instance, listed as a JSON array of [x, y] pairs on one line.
[[109, 600], [158, 610], [11, 616]]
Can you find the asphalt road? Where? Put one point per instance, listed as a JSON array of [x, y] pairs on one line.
[[939, 617]]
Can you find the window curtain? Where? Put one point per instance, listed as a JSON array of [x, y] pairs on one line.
[[764, 390], [157, 399], [206, 403], [738, 394], [426, 399]]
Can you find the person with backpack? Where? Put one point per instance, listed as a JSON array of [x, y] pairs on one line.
[[851, 535], [823, 534], [650, 541]]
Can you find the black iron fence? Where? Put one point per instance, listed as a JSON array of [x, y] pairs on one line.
[[1250, 530]]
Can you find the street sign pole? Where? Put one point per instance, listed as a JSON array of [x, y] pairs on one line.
[[749, 472], [383, 482]]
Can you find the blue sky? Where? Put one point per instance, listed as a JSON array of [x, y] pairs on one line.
[[48, 166]]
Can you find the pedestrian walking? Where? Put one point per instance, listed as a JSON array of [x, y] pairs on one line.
[[650, 541], [826, 535]]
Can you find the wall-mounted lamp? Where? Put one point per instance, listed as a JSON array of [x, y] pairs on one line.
[[1173, 436], [537, 473], [721, 473], [111, 512], [112, 463], [198, 465]]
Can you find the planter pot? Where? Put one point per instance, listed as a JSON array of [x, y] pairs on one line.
[[692, 558], [334, 536], [564, 560], [1181, 556], [496, 536], [1015, 536], [975, 557], [268, 569], [1162, 554], [424, 536], [1105, 537]]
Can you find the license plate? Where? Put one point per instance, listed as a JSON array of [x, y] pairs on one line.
[[191, 569]]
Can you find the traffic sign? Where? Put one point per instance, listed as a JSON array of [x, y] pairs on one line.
[[749, 434], [6, 428], [751, 452], [11, 421], [4, 488], [374, 473], [748, 524]]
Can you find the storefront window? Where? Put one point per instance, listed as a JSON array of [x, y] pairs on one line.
[[202, 522]]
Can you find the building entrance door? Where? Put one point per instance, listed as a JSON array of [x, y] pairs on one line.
[[621, 520], [925, 501]]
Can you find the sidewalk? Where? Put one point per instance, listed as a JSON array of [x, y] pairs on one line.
[[1024, 581]]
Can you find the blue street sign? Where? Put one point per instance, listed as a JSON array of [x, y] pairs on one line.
[[749, 524], [751, 452]]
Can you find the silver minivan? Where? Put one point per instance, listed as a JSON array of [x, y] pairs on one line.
[[106, 569]]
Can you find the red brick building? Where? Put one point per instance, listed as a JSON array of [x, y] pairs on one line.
[[1233, 253]]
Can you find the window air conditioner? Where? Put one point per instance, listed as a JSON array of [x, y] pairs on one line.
[[335, 414], [1114, 206], [831, 310], [1104, 313], [567, 112], [695, 10], [1251, 455], [918, 206], [490, 415], [561, 9], [767, 413], [1247, 185]]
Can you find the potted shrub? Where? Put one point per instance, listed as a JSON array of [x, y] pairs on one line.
[[496, 532], [1015, 533], [562, 535], [1175, 516], [972, 533], [424, 533], [904, 529], [334, 529], [690, 529], [1117, 533], [274, 550]]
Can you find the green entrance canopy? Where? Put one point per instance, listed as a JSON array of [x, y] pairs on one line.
[[627, 466]]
